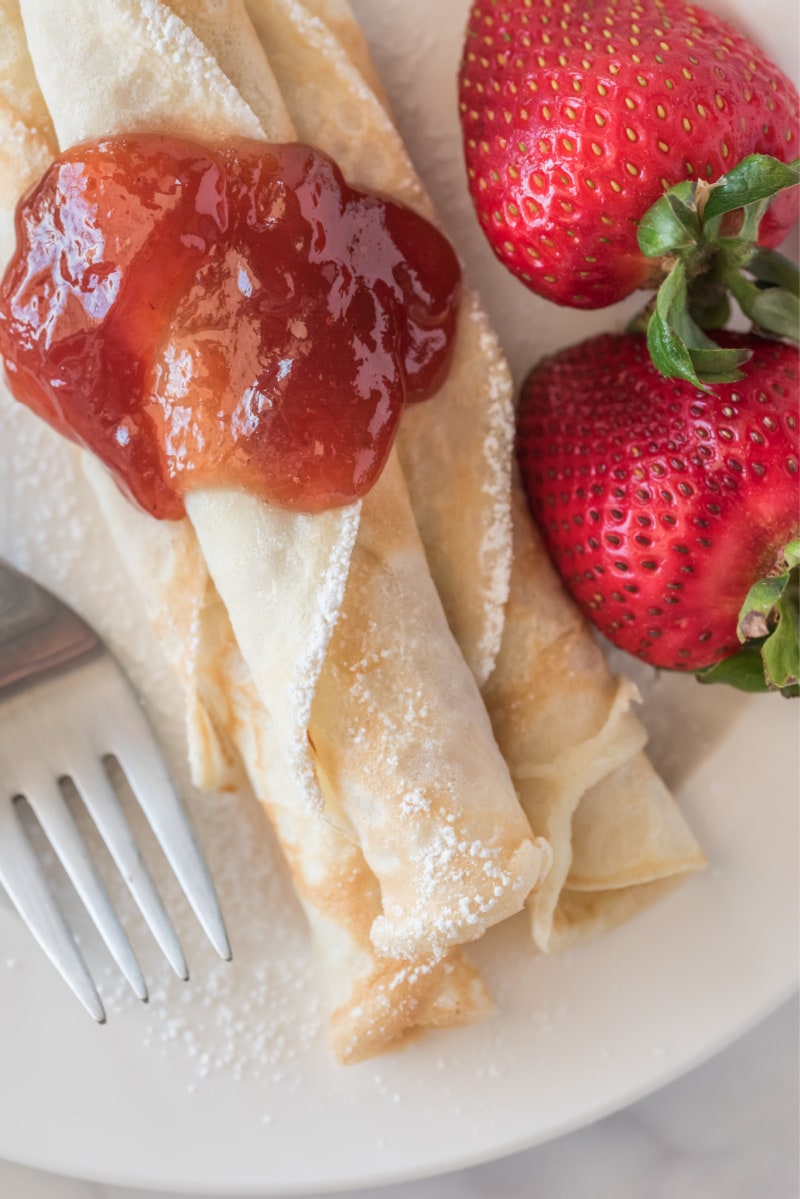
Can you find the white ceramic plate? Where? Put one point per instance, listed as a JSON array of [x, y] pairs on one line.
[[224, 1083]]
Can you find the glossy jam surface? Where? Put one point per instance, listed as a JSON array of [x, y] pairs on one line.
[[233, 317]]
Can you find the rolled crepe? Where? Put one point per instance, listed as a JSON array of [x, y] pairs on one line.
[[448, 843], [263, 570], [400, 733], [574, 747], [374, 1003]]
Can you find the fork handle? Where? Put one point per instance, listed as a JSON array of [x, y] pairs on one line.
[[37, 631]]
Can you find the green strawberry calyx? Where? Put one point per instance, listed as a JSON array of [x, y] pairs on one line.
[[705, 235], [769, 629]]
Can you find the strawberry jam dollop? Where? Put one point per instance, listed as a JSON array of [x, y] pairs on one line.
[[229, 317]]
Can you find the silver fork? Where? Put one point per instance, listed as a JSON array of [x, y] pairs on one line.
[[66, 708]]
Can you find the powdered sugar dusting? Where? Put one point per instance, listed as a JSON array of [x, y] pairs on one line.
[[175, 41], [495, 552], [414, 802], [475, 893]]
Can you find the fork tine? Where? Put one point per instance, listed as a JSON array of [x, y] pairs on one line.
[[23, 878], [141, 759], [54, 816], [103, 806]]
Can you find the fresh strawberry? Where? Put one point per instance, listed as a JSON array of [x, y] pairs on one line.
[[576, 117], [663, 506]]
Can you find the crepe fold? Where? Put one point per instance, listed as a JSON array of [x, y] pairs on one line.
[[564, 723], [516, 863], [574, 746]]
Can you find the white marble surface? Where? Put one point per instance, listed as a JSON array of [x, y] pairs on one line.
[[728, 1130]]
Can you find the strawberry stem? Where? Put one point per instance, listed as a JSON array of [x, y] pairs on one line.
[[689, 229], [679, 347], [769, 629]]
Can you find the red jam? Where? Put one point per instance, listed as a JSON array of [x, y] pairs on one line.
[[236, 317]]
